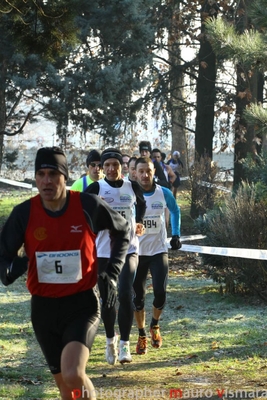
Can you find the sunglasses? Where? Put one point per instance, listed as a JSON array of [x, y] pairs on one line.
[[93, 164]]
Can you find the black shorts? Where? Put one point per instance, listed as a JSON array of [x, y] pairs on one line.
[[59, 321], [177, 181]]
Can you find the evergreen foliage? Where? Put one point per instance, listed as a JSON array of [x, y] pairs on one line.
[[248, 51], [46, 28], [102, 74], [10, 159], [258, 13], [98, 63], [239, 223], [256, 174], [245, 48], [257, 115], [90, 73]]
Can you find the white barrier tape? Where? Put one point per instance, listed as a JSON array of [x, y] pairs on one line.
[[29, 186], [15, 183], [213, 185], [21, 184], [254, 254], [207, 184], [191, 237]]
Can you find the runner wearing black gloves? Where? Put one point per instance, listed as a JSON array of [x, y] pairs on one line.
[[58, 229], [126, 198], [153, 251]]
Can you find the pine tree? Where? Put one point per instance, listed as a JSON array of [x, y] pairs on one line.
[[244, 42]]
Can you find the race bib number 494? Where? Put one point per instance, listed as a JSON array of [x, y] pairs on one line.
[[152, 224]]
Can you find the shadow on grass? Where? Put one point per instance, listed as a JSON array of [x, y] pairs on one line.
[[208, 340], [23, 370]]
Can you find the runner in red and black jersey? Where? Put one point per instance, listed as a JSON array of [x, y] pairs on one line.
[[58, 229]]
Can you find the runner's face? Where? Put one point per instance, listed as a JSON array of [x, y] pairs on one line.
[[145, 153], [125, 168], [112, 169], [51, 185], [156, 156], [95, 170], [145, 174], [132, 172]]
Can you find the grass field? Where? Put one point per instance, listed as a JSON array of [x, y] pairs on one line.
[[8, 199], [210, 343], [214, 345]]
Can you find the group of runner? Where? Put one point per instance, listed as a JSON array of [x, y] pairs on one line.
[[110, 230]]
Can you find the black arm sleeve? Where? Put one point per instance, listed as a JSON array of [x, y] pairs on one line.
[[100, 217], [93, 188], [140, 207], [12, 237], [4, 268], [159, 174]]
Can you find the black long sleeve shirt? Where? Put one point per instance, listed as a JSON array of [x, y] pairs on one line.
[[98, 214]]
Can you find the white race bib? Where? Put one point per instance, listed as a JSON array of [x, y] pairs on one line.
[[59, 266], [152, 224], [124, 211]]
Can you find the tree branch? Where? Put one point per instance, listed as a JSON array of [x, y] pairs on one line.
[[20, 130]]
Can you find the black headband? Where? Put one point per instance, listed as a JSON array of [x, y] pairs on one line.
[[111, 154], [52, 157]]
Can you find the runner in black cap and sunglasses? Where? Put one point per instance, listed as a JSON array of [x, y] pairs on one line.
[[95, 172]]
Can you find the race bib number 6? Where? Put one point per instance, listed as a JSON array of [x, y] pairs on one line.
[[59, 266]]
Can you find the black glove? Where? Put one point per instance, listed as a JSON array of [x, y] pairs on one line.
[[175, 242], [18, 267], [108, 290]]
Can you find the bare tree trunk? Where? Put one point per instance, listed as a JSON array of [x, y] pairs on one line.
[[205, 92], [179, 141], [2, 124], [205, 111]]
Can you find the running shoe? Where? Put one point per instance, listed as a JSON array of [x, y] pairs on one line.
[[125, 354], [156, 339], [112, 351], [141, 346]]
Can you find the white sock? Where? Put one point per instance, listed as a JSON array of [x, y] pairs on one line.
[[111, 340], [123, 343]]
